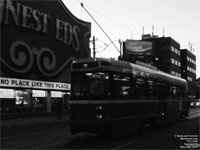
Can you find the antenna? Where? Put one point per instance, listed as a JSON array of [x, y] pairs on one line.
[[189, 45], [100, 27], [142, 30], [163, 32], [131, 35], [152, 30]]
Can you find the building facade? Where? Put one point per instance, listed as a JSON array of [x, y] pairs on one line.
[[188, 70], [163, 53], [39, 39], [198, 89], [167, 55]]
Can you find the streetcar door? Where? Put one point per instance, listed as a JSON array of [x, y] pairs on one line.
[[161, 94]]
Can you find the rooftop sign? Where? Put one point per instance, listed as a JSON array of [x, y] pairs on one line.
[[135, 47]]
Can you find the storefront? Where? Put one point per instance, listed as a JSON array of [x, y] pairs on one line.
[[20, 95], [39, 41]]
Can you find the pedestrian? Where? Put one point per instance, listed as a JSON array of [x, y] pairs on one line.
[[59, 108]]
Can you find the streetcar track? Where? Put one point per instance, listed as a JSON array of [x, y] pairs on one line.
[[132, 141], [33, 139], [64, 140], [29, 142], [178, 125], [124, 145], [33, 133], [53, 138]]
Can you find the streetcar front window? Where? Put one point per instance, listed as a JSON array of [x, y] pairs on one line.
[[89, 85]]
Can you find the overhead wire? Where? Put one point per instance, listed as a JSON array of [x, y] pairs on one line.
[[100, 27], [107, 45], [111, 20]]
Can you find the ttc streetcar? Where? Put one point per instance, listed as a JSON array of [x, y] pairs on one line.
[[112, 96]]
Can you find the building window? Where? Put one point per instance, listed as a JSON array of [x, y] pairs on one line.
[[175, 50], [172, 48], [179, 64], [179, 52], [189, 78], [176, 62], [172, 61]]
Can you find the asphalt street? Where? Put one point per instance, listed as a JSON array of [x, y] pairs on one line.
[[181, 135]]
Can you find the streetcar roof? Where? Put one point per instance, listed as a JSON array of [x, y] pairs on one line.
[[127, 67]]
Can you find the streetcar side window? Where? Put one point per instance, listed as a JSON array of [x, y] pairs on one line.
[[151, 88], [140, 87], [121, 86], [174, 91], [182, 92], [161, 90]]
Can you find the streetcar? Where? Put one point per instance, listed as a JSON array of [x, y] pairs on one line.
[[113, 96]]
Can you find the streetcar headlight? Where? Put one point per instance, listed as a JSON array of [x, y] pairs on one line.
[[99, 116], [99, 107]]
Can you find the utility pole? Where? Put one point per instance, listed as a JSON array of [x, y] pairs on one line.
[[94, 51], [100, 27], [120, 49]]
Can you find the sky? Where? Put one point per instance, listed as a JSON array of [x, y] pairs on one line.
[[128, 19]]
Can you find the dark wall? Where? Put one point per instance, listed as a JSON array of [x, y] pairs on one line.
[[39, 39]]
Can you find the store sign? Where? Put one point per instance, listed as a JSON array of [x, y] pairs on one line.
[[135, 47], [33, 84], [41, 37]]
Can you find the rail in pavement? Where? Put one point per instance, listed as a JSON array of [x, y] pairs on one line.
[[33, 124]]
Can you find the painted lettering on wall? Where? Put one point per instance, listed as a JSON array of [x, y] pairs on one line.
[[33, 19], [26, 17], [33, 37]]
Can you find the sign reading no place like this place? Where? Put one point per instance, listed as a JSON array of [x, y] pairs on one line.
[[13, 82]]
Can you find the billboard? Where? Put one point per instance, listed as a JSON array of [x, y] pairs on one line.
[[136, 47]]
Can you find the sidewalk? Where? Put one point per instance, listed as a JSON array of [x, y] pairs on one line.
[[33, 124]]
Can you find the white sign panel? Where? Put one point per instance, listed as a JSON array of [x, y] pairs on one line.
[[7, 93], [13, 82], [136, 47]]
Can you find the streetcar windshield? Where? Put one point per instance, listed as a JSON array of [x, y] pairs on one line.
[[90, 85], [100, 85]]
